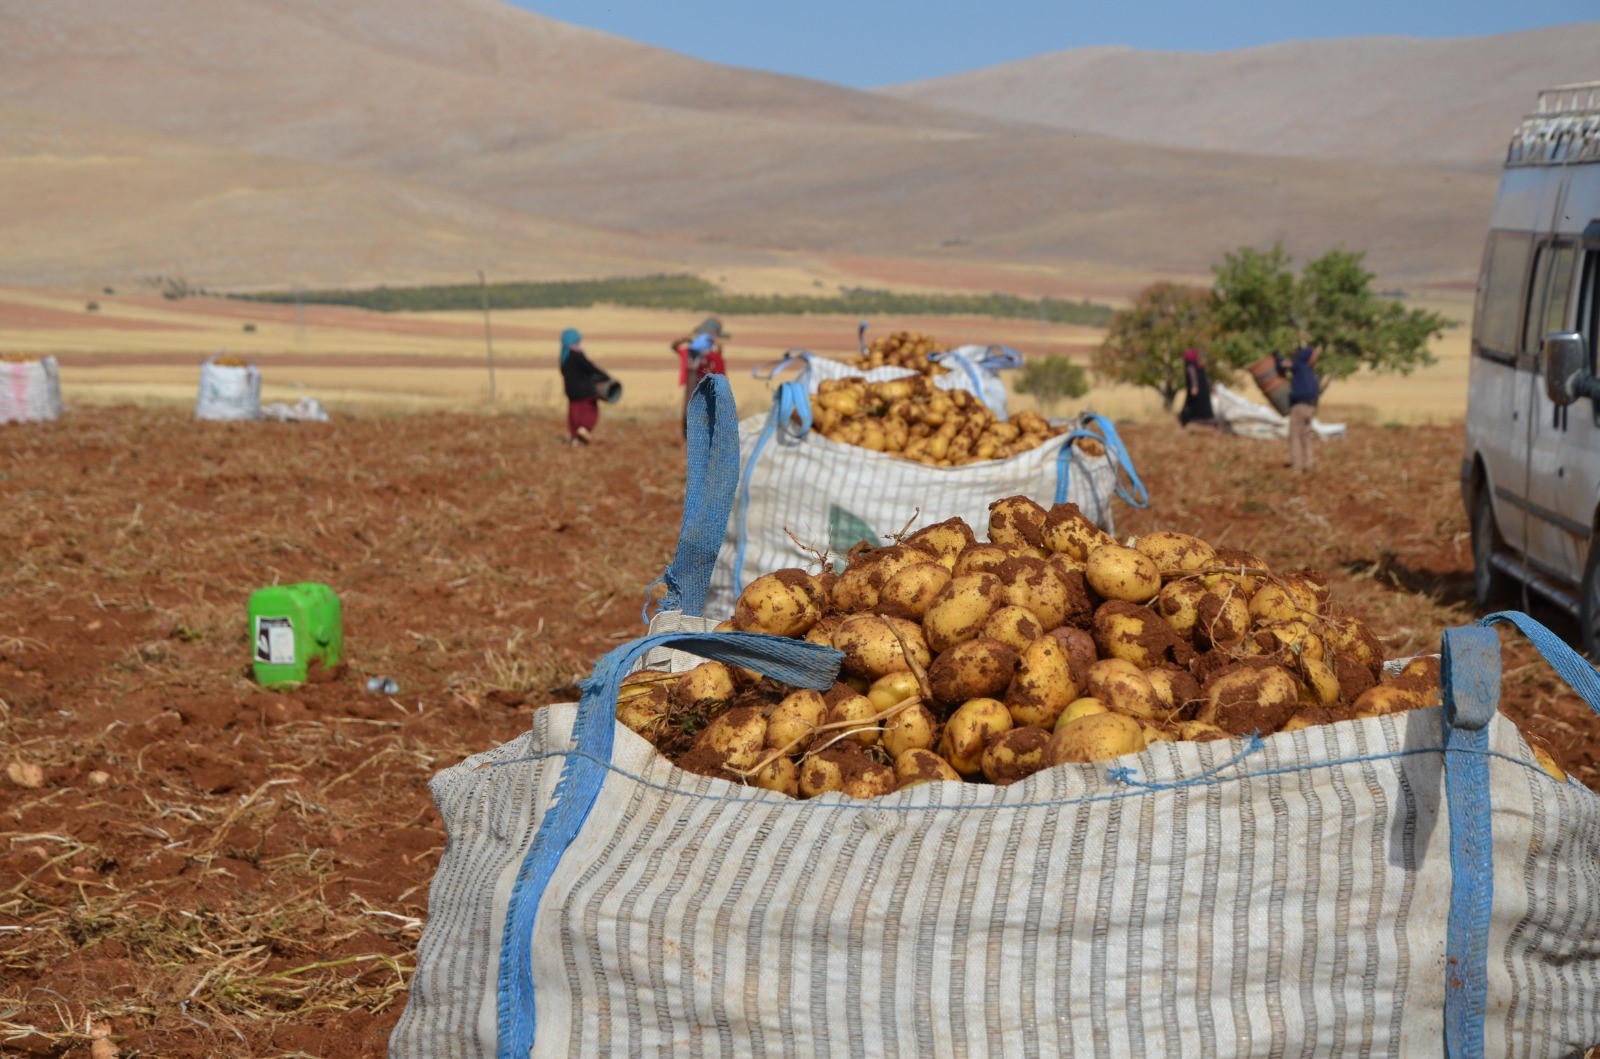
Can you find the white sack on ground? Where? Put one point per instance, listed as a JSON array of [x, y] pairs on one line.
[[228, 392], [30, 390], [1252, 419]]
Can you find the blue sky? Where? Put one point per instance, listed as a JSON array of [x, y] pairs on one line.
[[877, 42]]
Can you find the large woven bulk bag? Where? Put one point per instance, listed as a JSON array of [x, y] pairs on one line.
[[228, 391], [30, 389], [801, 494], [1413, 884], [975, 369]]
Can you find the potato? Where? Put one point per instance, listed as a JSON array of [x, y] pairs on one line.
[[1543, 754], [1015, 755], [872, 780], [943, 540], [1200, 732], [824, 772], [871, 648], [1016, 627], [1175, 689], [785, 603], [1354, 638], [1175, 552], [645, 711], [914, 727], [1321, 683], [1096, 737], [1042, 686], [968, 730], [1395, 697], [1135, 634], [780, 774], [980, 559], [1122, 573], [791, 722], [1080, 708], [1066, 530], [1158, 732], [1424, 668], [1070, 572], [1222, 618], [846, 706], [1081, 651], [736, 739], [910, 592], [1030, 583], [1016, 522], [1179, 603], [893, 689], [854, 591], [706, 686], [1309, 716], [1124, 688], [822, 632], [887, 562], [1273, 602], [1251, 699], [961, 610], [922, 766], [980, 668]]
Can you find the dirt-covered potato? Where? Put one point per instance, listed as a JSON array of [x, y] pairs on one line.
[[918, 765], [1273, 602], [1030, 583], [704, 687], [792, 720], [872, 780], [1070, 572], [1135, 634], [1016, 627], [893, 689], [1095, 737], [1042, 686], [1242, 569], [1200, 732], [943, 540], [1122, 573], [1123, 687], [1352, 637], [871, 648], [1251, 699], [645, 710], [1222, 617], [1081, 651], [1175, 552], [910, 592], [1080, 708], [736, 739], [824, 771], [854, 592], [1175, 689], [848, 707], [968, 730], [1307, 594], [1179, 603], [1320, 682], [822, 632], [980, 559], [785, 603], [780, 774], [1016, 522], [1015, 755], [980, 668], [1395, 697], [1066, 530], [961, 610], [913, 727]]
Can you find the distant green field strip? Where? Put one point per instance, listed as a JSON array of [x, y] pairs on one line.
[[692, 294]]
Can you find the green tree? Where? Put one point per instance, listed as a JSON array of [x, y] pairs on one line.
[[1053, 379], [1144, 343], [1260, 307]]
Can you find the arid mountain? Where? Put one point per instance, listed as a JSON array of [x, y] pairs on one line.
[[269, 142], [1453, 101]]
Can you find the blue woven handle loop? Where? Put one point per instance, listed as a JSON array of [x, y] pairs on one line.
[[1000, 358], [713, 475], [1568, 664], [773, 368], [795, 662]]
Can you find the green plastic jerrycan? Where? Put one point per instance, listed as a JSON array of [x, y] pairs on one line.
[[292, 626]]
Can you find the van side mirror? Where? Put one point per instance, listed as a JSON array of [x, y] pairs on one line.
[[1566, 369]]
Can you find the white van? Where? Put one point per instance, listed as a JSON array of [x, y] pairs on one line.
[[1531, 474]]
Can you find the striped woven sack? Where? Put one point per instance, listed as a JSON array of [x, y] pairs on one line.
[[228, 392], [801, 495], [30, 390], [1413, 884], [975, 369]]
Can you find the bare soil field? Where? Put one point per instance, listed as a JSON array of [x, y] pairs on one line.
[[198, 867]]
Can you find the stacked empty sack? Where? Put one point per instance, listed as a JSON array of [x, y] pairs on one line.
[[1051, 643]]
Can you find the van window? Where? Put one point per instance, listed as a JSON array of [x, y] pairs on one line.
[[1559, 291], [1502, 294]]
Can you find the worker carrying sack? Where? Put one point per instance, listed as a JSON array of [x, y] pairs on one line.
[[975, 369], [30, 389], [228, 391], [1411, 884]]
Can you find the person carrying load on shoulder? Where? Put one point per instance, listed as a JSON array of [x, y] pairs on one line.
[[582, 381], [699, 355], [1304, 390]]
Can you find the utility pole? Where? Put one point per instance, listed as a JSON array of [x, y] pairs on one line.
[[488, 335]]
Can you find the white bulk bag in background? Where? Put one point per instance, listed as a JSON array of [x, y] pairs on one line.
[[228, 392], [974, 369], [801, 494], [30, 390]]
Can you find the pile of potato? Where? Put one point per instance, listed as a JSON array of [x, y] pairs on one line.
[[231, 360], [914, 419], [901, 349], [20, 358], [1049, 643]]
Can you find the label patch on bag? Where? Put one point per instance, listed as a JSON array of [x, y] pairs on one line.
[[275, 641], [845, 531]]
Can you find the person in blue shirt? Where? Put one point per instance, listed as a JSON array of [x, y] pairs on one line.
[[1304, 390]]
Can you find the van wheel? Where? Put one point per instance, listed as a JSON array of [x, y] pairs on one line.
[[1589, 605], [1487, 582]]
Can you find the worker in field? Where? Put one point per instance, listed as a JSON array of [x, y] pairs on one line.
[[1197, 393], [1304, 390], [583, 382], [699, 355]]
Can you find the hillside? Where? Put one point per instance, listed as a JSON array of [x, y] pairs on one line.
[[1451, 101], [270, 142]]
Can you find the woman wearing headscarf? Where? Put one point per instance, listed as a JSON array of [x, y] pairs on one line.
[[1197, 392], [581, 379]]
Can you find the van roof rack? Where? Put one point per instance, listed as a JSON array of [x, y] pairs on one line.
[[1564, 130]]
